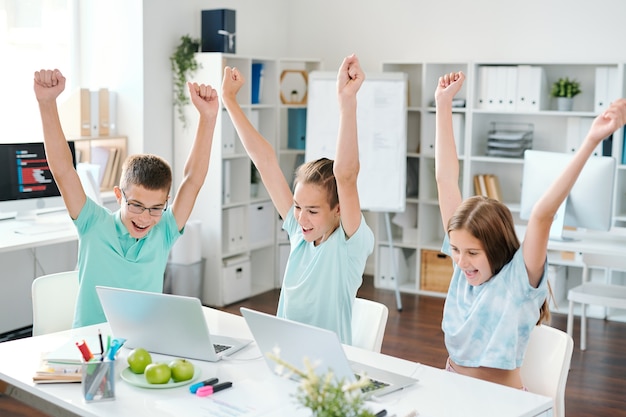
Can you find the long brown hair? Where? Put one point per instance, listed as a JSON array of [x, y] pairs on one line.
[[491, 222]]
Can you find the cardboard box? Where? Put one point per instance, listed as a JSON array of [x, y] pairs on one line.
[[218, 31], [436, 271]]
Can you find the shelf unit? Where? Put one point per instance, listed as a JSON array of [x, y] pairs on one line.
[[422, 229], [240, 242], [290, 152], [84, 148]]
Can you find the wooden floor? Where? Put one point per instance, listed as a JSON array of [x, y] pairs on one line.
[[597, 381]]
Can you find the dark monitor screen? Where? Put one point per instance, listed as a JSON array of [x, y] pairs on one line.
[[25, 175]]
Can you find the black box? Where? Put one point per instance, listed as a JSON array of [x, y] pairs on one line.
[[218, 31]]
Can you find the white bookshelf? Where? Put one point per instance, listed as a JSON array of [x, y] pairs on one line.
[[550, 134], [240, 242]]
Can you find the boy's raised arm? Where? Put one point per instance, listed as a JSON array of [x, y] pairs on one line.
[[204, 98], [346, 165], [48, 85]]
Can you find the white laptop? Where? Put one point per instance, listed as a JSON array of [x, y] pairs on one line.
[[169, 324], [295, 341]]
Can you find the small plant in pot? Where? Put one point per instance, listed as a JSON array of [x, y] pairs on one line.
[[184, 65], [564, 90]]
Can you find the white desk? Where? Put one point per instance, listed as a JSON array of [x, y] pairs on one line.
[[61, 230], [612, 242], [437, 394], [26, 256]]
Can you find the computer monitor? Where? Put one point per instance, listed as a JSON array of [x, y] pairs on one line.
[[26, 183], [589, 204]]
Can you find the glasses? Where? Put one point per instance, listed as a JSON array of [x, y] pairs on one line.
[[138, 208]]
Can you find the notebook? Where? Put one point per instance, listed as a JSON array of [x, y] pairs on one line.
[[295, 341], [169, 324]]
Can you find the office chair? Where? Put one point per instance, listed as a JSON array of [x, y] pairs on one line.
[[369, 319], [596, 293], [54, 301], [546, 364]]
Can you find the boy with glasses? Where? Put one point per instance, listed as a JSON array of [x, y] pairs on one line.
[[128, 248]]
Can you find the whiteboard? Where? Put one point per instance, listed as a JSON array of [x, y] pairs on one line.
[[381, 126]]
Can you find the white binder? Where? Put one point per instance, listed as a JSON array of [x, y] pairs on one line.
[[606, 90]]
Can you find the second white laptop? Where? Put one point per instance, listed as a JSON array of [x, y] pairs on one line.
[[293, 341], [169, 324]]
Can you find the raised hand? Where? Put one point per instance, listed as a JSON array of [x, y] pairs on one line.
[[449, 85], [48, 84], [350, 76], [609, 121], [204, 98], [232, 82]]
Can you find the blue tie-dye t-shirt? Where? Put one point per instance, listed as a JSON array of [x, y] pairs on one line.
[[489, 324]]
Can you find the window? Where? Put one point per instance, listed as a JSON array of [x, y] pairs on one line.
[[34, 34]]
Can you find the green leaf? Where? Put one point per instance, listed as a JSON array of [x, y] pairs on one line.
[[184, 65]]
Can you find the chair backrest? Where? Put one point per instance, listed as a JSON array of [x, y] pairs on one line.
[[54, 302], [598, 260], [369, 319], [546, 364]]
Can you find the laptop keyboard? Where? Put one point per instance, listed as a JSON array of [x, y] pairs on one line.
[[220, 348], [373, 385]]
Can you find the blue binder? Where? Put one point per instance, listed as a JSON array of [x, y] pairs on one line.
[[257, 77], [296, 118]]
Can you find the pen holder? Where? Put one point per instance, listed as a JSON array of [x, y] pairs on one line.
[[98, 380]]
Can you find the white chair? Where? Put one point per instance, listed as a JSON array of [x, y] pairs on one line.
[[546, 364], [54, 301], [596, 293], [369, 319]]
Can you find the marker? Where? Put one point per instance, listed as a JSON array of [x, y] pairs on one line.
[[101, 344], [115, 346], [212, 389], [193, 388], [84, 350]]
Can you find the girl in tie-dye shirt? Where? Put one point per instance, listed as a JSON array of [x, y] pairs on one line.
[[499, 289]]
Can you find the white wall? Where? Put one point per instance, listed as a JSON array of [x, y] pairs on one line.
[[131, 56], [458, 30]]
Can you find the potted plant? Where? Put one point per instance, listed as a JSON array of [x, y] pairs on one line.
[[564, 90], [325, 395], [184, 65]]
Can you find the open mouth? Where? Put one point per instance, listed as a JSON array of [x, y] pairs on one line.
[[140, 228]]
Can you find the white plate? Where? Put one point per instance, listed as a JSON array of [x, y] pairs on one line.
[[139, 380]]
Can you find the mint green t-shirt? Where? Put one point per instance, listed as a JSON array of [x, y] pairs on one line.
[[321, 282], [109, 256]]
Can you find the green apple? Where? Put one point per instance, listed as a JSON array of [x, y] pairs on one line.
[[138, 359], [182, 370], [158, 373]]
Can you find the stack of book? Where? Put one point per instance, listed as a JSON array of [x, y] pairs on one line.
[[55, 372], [509, 140], [487, 185], [62, 364], [108, 159]]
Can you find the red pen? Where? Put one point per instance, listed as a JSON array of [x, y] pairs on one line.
[[212, 389], [84, 350]]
